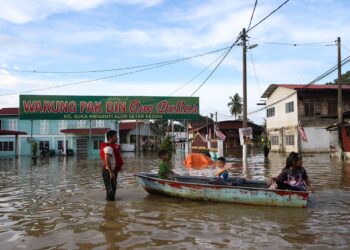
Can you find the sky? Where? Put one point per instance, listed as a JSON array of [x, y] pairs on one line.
[[87, 35]]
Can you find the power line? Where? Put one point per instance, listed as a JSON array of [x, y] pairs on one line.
[[88, 81], [328, 72], [345, 47], [157, 65], [117, 69], [327, 43], [268, 15], [201, 72], [256, 77], [212, 72], [251, 17]]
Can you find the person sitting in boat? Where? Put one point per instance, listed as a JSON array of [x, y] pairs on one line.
[[165, 168], [292, 177], [221, 176], [223, 168]]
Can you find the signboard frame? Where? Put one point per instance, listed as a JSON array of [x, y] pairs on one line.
[[58, 107]]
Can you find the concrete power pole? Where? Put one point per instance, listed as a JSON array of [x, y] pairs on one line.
[[340, 96], [244, 40]]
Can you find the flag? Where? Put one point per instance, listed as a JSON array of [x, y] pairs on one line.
[[302, 132], [219, 134]]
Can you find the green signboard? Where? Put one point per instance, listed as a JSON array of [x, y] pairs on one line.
[[50, 107]]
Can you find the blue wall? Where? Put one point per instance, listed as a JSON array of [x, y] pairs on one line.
[[53, 135]]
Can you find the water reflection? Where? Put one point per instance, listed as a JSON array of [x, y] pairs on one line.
[[59, 203]]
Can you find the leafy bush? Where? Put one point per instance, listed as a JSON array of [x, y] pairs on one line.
[[34, 145], [167, 145]]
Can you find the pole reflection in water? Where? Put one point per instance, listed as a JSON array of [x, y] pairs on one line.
[[59, 203]]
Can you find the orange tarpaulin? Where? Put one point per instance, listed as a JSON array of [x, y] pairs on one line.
[[198, 161]]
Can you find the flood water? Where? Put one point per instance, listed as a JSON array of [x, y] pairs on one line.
[[59, 204]]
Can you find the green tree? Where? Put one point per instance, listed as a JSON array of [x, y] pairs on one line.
[[235, 105], [345, 79], [167, 145]]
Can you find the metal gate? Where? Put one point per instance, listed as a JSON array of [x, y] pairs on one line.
[[82, 146]]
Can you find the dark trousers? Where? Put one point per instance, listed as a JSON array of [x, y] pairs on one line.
[[110, 183], [266, 151], [282, 185]]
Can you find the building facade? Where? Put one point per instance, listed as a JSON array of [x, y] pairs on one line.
[[312, 107], [81, 136]]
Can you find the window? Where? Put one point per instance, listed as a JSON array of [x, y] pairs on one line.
[[81, 124], [270, 112], [60, 145], [289, 139], [332, 108], [62, 125], [309, 109], [6, 145], [44, 127], [44, 144], [274, 140], [12, 124], [289, 107], [97, 144], [100, 123]]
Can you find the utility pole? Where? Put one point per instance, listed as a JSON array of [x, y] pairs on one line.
[[340, 96], [244, 47]]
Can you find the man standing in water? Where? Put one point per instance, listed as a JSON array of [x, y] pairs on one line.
[[266, 144], [112, 163]]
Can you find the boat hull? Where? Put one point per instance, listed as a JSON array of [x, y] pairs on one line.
[[222, 193]]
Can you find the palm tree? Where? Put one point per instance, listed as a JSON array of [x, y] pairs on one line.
[[235, 105]]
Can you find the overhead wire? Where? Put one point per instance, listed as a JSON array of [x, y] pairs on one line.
[[263, 19], [158, 65], [256, 77], [326, 43], [328, 72], [145, 67], [117, 69], [216, 67], [345, 47], [251, 17], [201, 72]]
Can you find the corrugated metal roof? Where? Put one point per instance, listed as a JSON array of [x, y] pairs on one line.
[[9, 111], [11, 132], [273, 87]]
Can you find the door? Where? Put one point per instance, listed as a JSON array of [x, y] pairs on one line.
[[82, 146]]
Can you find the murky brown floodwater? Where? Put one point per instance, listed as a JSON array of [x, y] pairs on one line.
[[60, 204]]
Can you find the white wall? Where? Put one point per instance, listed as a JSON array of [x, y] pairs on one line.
[[319, 140], [281, 118]]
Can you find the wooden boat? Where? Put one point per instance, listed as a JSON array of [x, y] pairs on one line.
[[235, 190]]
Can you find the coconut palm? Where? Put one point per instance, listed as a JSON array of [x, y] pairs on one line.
[[235, 105]]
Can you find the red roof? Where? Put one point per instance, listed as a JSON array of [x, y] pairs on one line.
[[9, 111], [85, 131], [12, 132], [273, 87], [128, 125]]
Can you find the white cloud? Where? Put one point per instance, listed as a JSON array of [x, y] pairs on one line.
[[24, 11]]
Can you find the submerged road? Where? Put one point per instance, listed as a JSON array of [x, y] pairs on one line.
[[59, 204]]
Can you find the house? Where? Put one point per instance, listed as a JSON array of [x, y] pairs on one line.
[[313, 106], [201, 132], [81, 136], [147, 135]]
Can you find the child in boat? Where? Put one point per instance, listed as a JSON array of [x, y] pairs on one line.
[[293, 176], [165, 168], [223, 171]]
